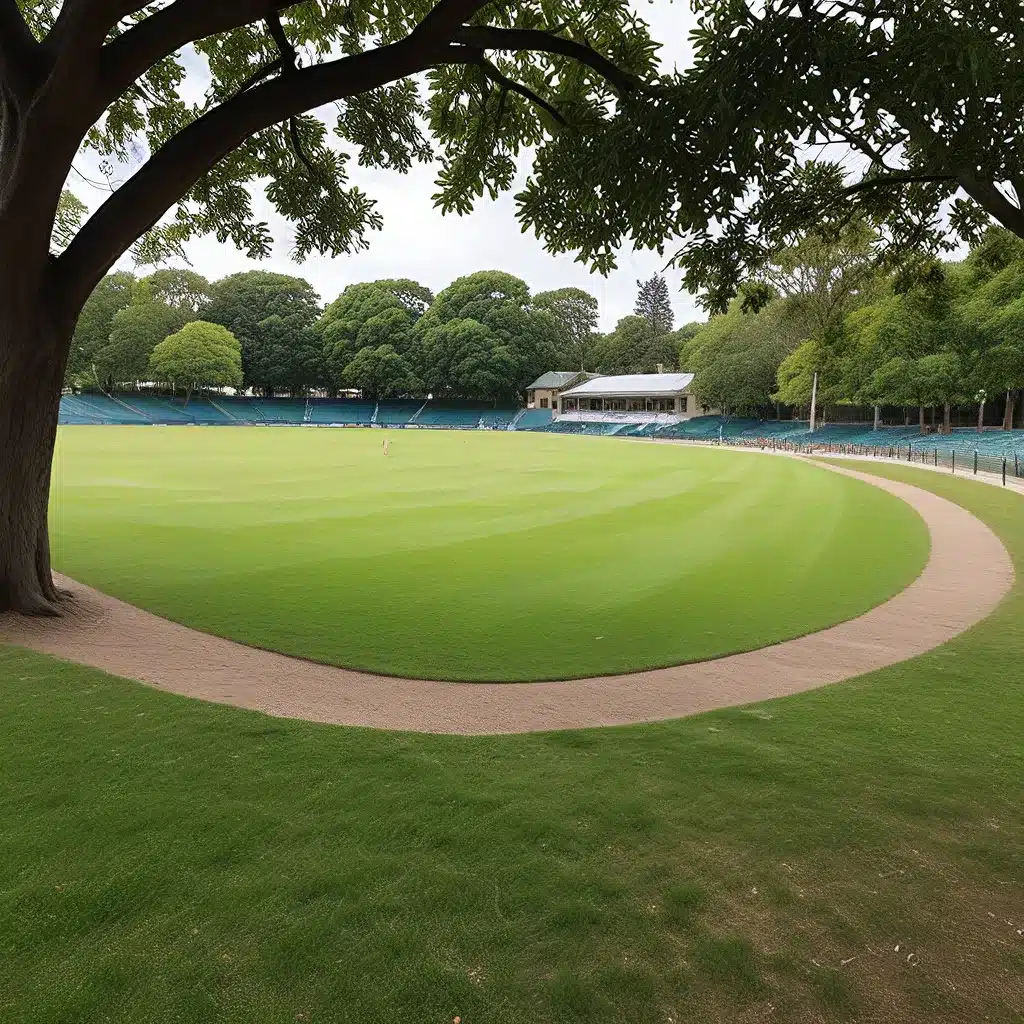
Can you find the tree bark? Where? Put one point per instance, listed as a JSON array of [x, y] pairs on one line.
[[981, 416], [32, 358], [947, 427], [1008, 415], [921, 428]]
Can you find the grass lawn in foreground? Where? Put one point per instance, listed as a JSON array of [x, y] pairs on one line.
[[853, 853], [474, 555]]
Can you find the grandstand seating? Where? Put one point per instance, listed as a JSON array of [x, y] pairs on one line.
[[454, 415], [964, 441], [706, 428], [104, 409], [397, 413], [534, 419], [498, 419], [582, 427], [159, 409], [241, 410], [149, 408], [342, 411], [282, 410]]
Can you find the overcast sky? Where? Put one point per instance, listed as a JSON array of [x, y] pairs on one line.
[[417, 242]]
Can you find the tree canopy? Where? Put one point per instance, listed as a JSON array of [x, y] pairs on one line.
[[112, 294], [381, 372], [805, 116], [633, 347], [135, 331], [736, 357], [272, 316], [575, 312], [200, 355], [369, 315], [482, 337], [181, 288]]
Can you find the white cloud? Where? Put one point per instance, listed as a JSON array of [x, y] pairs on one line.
[[417, 242]]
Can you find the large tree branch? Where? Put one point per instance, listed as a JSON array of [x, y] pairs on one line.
[[82, 25], [992, 200], [894, 181], [131, 54], [447, 17], [489, 38], [20, 53], [175, 168], [984, 193]]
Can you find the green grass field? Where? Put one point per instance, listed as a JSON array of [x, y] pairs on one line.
[[471, 555], [850, 854]]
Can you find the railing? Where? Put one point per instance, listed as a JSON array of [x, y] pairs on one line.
[[1010, 464]]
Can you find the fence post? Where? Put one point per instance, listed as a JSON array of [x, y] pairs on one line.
[[1004, 470], [975, 461], [953, 453], [910, 453], [936, 456]]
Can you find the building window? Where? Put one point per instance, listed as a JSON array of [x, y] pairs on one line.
[[543, 403]]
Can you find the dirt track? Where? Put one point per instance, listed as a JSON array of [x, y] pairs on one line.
[[968, 573]]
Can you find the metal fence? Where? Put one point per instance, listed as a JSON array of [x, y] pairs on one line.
[[1010, 465]]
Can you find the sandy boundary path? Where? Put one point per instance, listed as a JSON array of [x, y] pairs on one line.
[[968, 573]]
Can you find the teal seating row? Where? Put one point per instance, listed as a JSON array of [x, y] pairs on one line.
[[135, 408]]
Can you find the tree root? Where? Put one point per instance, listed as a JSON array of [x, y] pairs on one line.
[[38, 606]]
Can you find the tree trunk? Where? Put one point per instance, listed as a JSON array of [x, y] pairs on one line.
[[877, 417], [981, 416], [947, 427], [1008, 415], [32, 359], [921, 428]]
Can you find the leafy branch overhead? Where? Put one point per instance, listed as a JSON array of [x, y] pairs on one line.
[[472, 82], [801, 116]]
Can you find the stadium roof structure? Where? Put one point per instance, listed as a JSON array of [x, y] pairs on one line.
[[632, 385], [555, 379]]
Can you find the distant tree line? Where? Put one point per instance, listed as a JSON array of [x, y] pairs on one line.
[[483, 337], [823, 322]]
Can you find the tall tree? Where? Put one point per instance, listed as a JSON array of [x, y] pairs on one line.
[[633, 347], [270, 314], [736, 356], [134, 332], [653, 304], [505, 340], [183, 289], [106, 75], [112, 294], [283, 353], [576, 313], [381, 373], [371, 314], [200, 355]]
